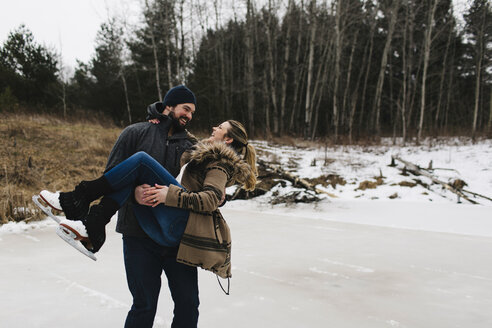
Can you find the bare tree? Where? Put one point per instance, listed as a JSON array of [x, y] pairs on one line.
[[348, 79], [481, 48], [125, 89], [270, 63], [283, 88], [427, 49], [322, 77], [62, 75], [355, 94], [376, 109], [489, 124], [338, 54], [298, 72], [249, 72], [309, 106], [372, 19], [150, 23], [442, 81]]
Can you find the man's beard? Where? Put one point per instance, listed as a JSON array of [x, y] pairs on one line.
[[176, 124]]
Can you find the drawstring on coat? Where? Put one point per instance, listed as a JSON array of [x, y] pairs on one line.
[[228, 285]]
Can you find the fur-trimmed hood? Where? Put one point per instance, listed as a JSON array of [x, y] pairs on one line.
[[219, 153]]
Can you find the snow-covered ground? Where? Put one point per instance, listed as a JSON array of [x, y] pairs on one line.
[[357, 260], [451, 159]]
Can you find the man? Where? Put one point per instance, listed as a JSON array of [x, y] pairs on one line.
[[144, 258]]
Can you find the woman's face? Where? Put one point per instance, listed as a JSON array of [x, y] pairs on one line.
[[219, 133]]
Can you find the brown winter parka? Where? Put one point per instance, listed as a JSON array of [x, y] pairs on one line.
[[206, 242]]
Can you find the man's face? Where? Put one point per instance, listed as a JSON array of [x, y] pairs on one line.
[[183, 113]]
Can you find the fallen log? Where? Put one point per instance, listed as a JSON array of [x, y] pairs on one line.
[[476, 194], [296, 181], [416, 170]]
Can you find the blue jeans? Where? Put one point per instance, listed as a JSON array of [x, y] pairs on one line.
[[164, 224], [144, 262]]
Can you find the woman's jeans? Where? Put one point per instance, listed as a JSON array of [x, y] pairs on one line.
[[164, 224]]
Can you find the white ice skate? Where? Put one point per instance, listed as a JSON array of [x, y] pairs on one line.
[[73, 232]]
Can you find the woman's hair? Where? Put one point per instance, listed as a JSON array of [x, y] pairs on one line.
[[240, 144]]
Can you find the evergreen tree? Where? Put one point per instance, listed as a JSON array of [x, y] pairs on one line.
[[28, 69]]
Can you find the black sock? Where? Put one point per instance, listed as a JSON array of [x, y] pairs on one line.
[[108, 208], [100, 215], [94, 189]]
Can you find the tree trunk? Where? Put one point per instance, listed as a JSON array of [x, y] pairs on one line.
[[355, 96], [271, 68], [176, 45], [450, 93], [168, 51], [298, 72], [320, 84], [285, 68], [441, 84], [182, 43], [221, 91], [413, 84], [154, 53], [64, 99], [369, 65], [347, 85], [308, 106], [338, 54], [489, 124], [376, 109], [427, 49], [478, 73], [192, 35], [250, 68], [125, 89], [404, 99], [266, 101]]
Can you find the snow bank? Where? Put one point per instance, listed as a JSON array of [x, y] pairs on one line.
[[21, 227], [451, 159]]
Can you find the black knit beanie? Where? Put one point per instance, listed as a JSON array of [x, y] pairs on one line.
[[179, 95]]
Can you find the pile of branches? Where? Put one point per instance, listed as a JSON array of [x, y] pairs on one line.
[[271, 175]]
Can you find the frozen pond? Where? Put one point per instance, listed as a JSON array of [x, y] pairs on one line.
[[348, 264]]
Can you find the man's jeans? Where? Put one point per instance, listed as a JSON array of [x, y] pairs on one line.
[[144, 262], [165, 225]]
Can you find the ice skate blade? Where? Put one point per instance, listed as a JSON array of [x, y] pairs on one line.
[[46, 209], [69, 236]]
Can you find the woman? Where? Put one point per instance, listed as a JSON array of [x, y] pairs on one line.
[[199, 228]]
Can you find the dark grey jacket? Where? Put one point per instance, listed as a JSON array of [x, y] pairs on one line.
[[154, 140]]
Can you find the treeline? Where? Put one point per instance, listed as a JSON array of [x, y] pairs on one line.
[[347, 69]]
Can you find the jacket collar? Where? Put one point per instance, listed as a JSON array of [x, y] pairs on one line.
[[206, 152]]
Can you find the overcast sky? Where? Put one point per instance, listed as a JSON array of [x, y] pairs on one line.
[[71, 25]]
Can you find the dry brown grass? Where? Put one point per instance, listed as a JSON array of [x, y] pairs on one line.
[[44, 152]]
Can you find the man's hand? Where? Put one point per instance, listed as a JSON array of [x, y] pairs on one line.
[[140, 194]]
